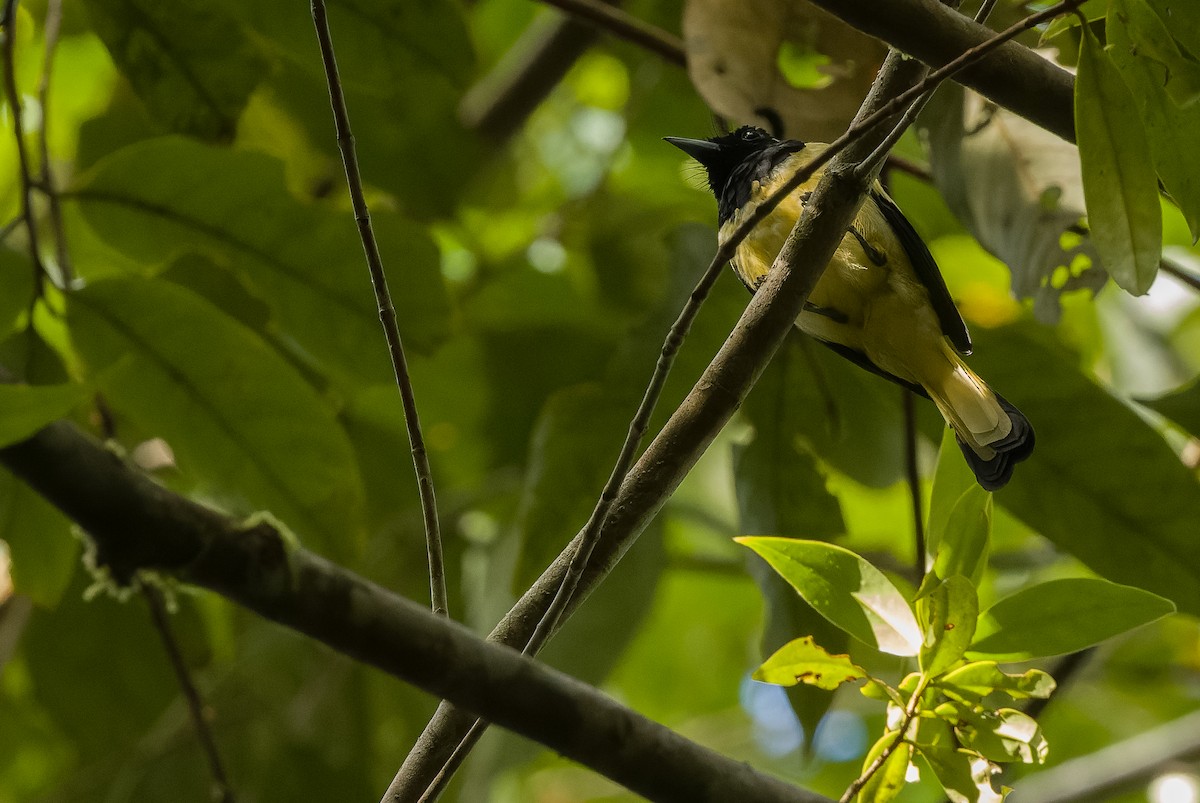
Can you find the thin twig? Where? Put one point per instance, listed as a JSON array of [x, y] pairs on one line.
[[914, 478], [387, 313], [46, 178], [14, 104], [910, 711], [637, 428], [625, 26], [1173, 268], [908, 167], [196, 708]]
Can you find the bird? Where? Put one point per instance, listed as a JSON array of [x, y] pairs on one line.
[[881, 303]]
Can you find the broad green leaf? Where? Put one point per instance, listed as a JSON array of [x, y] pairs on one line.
[[24, 409], [845, 589], [192, 65], [1181, 406], [560, 488], [952, 477], [1119, 182], [963, 545], [158, 199], [781, 490], [1152, 40], [16, 288], [978, 679], [245, 428], [804, 661], [1182, 19], [1102, 484], [1172, 131], [41, 545], [877, 690], [392, 54], [885, 784], [1061, 616], [948, 613], [1004, 735], [1092, 10]]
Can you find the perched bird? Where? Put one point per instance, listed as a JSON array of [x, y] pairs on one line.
[[881, 303]]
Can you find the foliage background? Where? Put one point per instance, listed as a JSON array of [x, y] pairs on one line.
[[222, 307]]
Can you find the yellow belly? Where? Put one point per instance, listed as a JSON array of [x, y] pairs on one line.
[[880, 310]]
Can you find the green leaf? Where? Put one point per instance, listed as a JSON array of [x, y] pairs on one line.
[[885, 784], [1119, 182], [1091, 10], [1182, 19], [1102, 484], [845, 589], [1061, 616], [24, 409], [963, 544], [948, 613], [1181, 405], [804, 661], [978, 679], [245, 428], [16, 288], [561, 489], [1173, 131], [41, 546], [1004, 735], [965, 777], [952, 477], [157, 199], [1152, 40], [192, 65]]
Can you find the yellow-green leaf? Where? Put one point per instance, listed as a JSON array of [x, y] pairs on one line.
[[804, 661]]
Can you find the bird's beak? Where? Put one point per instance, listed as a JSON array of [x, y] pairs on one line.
[[701, 150]]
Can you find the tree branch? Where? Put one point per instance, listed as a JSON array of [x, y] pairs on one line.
[[1013, 76], [626, 27], [387, 314], [138, 525]]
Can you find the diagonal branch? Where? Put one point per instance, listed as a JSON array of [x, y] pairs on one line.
[[137, 524], [625, 26], [387, 314]]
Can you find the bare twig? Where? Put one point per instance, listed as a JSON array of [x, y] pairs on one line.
[[196, 708], [625, 26], [45, 180], [387, 313], [1173, 268], [908, 167], [582, 548], [14, 104], [914, 479], [910, 711]]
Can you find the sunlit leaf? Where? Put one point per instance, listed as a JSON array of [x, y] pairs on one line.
[[804, 661], [886, 782], [1119, 181], [244, 426], [845, 589], [24, 409], [978, 679], [1061, 616], [965, 777], [1003, 735], [948, 614], [963, 546]]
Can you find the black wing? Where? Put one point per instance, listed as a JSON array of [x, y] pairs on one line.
[[927, 272]]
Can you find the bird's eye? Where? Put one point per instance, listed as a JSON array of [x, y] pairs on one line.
[[749, 134]]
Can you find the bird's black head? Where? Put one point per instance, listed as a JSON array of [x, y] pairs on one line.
[[734, 160]]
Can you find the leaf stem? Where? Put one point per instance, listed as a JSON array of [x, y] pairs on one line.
[[387, 313], [914, 479]]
